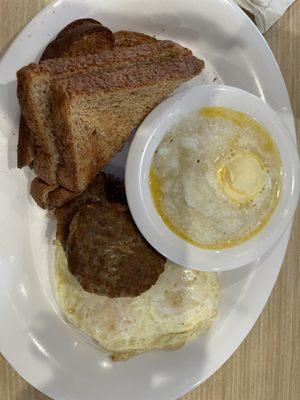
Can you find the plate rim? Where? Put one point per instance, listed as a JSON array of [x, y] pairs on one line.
[[291, 128]]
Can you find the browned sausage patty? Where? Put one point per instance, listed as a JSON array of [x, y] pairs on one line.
[[108, 255]]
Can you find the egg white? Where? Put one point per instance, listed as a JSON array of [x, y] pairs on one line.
[[182, 304]]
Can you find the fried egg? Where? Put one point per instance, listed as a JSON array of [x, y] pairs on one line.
[[180, 305]]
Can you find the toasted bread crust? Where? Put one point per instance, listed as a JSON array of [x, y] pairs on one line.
[[25, 150], [80, 37], [130, 76], [49, 196], [77, 23], [39, 190], [130, 39], [67, 67], [59, 196]]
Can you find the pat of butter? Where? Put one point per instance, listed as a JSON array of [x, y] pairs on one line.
[[242, 177]]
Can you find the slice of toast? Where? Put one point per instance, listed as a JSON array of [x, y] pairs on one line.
[[95, 113], [83, 36], [79, 37], [34, 91]]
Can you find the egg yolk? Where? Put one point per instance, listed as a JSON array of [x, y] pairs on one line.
[[242, 177]]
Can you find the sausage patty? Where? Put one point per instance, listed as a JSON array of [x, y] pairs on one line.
[[107, 253]]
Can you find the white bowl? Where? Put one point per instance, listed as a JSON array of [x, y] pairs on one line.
[[148, 137]]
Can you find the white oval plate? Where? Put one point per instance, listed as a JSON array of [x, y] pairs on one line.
[[34, 338]]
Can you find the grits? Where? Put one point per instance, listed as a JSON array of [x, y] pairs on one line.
[[216, 178]]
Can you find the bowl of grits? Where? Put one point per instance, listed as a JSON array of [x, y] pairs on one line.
[[212, 178]]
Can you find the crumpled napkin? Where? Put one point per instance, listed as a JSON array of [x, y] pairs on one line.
[[266, 12]]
